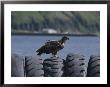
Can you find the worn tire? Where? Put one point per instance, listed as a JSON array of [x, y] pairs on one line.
[[93, 69], [75, 66], [53, 67], [34, 66], [17, 65]]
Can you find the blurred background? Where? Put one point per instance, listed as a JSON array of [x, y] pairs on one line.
[[56, 22], [31, 29]]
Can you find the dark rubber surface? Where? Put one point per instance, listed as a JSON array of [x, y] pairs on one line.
[[93, 69], [53, 67], [34, 66], [75, 66], [17, 65]]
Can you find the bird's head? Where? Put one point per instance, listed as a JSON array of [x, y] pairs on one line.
[[64, 38]]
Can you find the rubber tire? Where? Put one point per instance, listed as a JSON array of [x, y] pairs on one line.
[[53, 67], [17, 65], [75, 66], [34, 66], [93, 69]]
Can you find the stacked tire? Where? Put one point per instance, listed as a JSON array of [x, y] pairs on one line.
[[75, 66], [34, 66], [17, 63], [93, 69], [53, 67]]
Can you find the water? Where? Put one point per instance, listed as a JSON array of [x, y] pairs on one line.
[[27, 45]]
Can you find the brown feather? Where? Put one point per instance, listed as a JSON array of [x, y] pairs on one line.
[[52, 47]]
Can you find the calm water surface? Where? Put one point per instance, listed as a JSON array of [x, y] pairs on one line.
[[84, 45]]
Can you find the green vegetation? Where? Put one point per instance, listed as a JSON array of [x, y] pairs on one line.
[[73, 22]]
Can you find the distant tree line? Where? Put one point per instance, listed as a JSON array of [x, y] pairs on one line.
[[63, 21]]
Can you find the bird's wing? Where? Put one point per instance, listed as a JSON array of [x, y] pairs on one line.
[[53, 43]]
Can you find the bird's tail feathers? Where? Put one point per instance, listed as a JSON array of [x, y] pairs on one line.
[[36, 50]]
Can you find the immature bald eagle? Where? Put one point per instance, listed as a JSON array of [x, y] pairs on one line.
[[52, 46]]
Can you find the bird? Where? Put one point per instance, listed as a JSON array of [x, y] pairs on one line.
[[52, 46]]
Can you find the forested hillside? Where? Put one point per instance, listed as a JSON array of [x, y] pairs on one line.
[[63, 21]]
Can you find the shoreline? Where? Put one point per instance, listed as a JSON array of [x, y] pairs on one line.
[[40, 34]]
